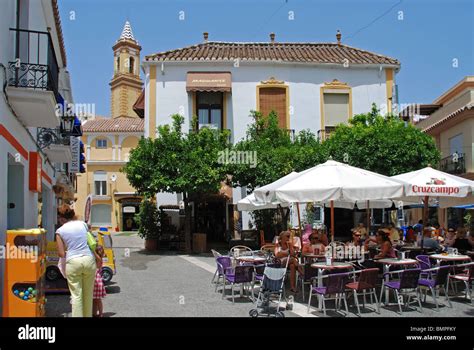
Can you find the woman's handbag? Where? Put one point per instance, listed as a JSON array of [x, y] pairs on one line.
[[91, 242]]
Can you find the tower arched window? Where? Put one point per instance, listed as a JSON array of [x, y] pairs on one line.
[[131, 65], [118, 64]]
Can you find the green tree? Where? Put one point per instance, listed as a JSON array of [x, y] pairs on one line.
[[385, 145], [277, 155], [148, 219], [179, 162]]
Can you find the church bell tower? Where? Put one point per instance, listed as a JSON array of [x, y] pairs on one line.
[[126, 84]]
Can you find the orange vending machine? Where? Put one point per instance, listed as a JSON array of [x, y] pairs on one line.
[[25, 266]]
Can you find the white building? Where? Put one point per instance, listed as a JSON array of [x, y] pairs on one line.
[[36, 161], [310, 85]]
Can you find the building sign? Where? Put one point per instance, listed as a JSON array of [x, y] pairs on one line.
[[76, 155], [209, 81], [34, 172], [129, 209]]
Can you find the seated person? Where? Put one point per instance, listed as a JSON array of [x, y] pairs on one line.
[[286, 252], [450, 237], [322, 236], [297, 243], [471, 239], [394, 233], [308, 230], [362, 230], [461, 243], [428, 241], [314, 246], [384, 243], [356, 239]]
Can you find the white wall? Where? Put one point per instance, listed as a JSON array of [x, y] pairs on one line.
[[368, 86], [304, 81]]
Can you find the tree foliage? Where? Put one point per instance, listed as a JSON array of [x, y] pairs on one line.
[[178, 162], [148, 219], [385, 145], [277, 154]]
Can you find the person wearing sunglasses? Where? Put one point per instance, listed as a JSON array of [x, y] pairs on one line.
[[450, 237], [356, 239], [314, 246]]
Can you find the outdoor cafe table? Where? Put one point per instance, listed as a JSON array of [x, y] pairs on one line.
[[313, 256], [253, 259], [322, 266], [387, 262], [449, 258], [249, 259]]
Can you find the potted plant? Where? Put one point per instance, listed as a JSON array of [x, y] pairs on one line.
[[148, 223]]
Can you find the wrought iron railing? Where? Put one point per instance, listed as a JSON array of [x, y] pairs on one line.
[[35, 65], [454, 164], [323, 134]]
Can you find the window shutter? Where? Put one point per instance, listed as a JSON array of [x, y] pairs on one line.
[[336, 108], [274, 98]]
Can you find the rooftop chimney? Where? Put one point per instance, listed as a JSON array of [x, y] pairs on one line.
[[338, 37], [206, 36], [272, 37]]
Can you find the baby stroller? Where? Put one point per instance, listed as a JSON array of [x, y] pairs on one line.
[[271, 291]]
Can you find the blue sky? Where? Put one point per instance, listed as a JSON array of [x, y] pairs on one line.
[[431, 35]]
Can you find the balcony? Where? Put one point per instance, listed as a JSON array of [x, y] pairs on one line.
[[55, 143], [324, 134], [454, 164], [33, 78]]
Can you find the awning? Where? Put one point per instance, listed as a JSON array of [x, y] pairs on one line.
[[209, 81]]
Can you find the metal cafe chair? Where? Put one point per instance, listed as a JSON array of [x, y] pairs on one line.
[[336, 284], [216, 254], [405, 286], [365, 285], [438, 280], [466, 276]]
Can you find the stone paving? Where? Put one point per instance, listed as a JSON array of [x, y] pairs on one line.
[[170, 285]]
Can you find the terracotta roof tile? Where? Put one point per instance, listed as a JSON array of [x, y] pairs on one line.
[[57, 22], [122, 124], [283, 52], [450, 116]]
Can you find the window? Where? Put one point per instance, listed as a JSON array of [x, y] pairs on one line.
[[101, 215], [336, 108], [100, 183], [101, 143], [274, 99], [118, 65], [209, 109], [456, 144], [131, 65]]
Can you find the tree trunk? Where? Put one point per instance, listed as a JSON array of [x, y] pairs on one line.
[[187, 225]]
